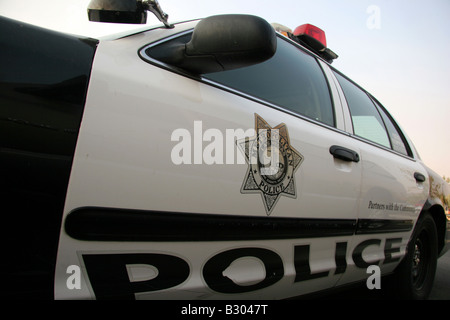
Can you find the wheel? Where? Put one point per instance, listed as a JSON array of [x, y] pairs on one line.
[[414, 276]]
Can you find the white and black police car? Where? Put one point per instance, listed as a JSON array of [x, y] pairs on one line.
[[208, 159]]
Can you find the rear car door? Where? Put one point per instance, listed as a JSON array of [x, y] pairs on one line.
[[164, 200], [394, 188]]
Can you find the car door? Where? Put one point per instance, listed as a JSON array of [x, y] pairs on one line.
[[292, 89], [166, 200], [394, 188]]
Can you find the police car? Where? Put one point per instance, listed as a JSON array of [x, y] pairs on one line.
[[211, 159]]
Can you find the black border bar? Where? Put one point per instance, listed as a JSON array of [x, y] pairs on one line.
[[371, 226], [111, 224]]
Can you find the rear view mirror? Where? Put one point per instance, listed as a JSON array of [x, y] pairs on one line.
[[117, 11], [220, 43], [125, 11]]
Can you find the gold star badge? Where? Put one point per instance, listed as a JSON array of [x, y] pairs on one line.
[[272, 163]]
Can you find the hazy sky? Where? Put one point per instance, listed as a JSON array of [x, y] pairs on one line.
[[395, 49]]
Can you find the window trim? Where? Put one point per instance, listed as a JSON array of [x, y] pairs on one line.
[[333, 106], [380, 109], [411, 155], [145, 57], [346, 129], [344, 120], [382, 124]]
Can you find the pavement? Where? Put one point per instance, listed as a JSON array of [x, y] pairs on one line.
[[440, 291], [441, 287]]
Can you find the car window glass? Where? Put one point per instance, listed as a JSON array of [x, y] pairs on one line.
[[367, 122], [396, 138], [291, 79]]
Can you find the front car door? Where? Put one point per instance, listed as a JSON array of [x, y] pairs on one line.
[[166, 201]]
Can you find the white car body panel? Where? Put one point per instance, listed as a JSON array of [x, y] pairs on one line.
[[123, 160]]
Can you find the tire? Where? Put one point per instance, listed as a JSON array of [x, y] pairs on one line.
[[414, 277]]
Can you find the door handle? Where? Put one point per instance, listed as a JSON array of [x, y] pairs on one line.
[[419, 177], [344, 154]]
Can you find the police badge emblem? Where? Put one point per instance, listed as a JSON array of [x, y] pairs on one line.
[[272, 163]]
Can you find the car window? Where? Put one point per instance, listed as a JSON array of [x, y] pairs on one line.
[[397, 140], [291, 79], [367, 122]]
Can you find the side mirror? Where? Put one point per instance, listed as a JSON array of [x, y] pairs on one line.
[[220, 43]]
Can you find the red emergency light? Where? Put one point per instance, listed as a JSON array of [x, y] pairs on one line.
[[310, 33], [314, 39], [310, 37]]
